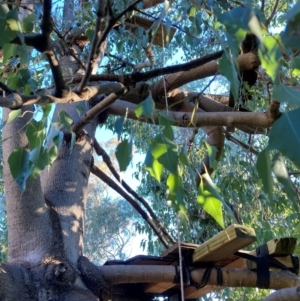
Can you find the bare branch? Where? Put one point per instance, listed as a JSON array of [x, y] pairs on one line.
[[185, 119], [101, 152], [101, 175]]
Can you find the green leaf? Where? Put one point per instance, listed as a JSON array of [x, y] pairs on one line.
[[165, 151], [35, 133], [28, 23], [269, 56], [119, 126], [209, 198], [227, 69], [13, 115], [20, 166], [236, 23], [176, 192], [263, 166], [65, 119], [183, 157], [283, 177], [286, 94], [146, 108], [285, 135], [165, 119], [153, 166], [41, 158], [90, 34], [9, 50], [168, 132], [212, 152], [124, 153]]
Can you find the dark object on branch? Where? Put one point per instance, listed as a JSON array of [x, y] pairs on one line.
[[102, 117], [247, 77]]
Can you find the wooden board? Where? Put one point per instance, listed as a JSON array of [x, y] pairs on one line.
[[277, 247], [282, 246], [224, 244]]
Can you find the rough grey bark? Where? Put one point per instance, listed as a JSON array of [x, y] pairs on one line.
[[29, 224]]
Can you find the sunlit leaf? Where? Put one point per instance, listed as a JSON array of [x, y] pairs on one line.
[[285, 135], [124, 153], [176, 192], [208, 198], [153, 166], [13, 115], [166, 152]]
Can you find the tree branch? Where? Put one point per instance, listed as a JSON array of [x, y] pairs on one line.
[[118, 274], [97, 43], [247, 148], [269, 19], [185, 119], [101, 152], [94, 51], [97, 109], [101, 175]]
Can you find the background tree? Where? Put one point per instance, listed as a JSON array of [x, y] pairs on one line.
[[52, 54]]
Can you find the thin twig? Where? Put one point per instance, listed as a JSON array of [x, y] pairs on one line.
[[101, 152], [243, 145], [101, 175]]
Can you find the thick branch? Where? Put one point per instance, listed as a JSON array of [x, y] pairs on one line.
[[101, 152], [100, 174], [118, 274], [184, 119], [15, 101], [247, 61]]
